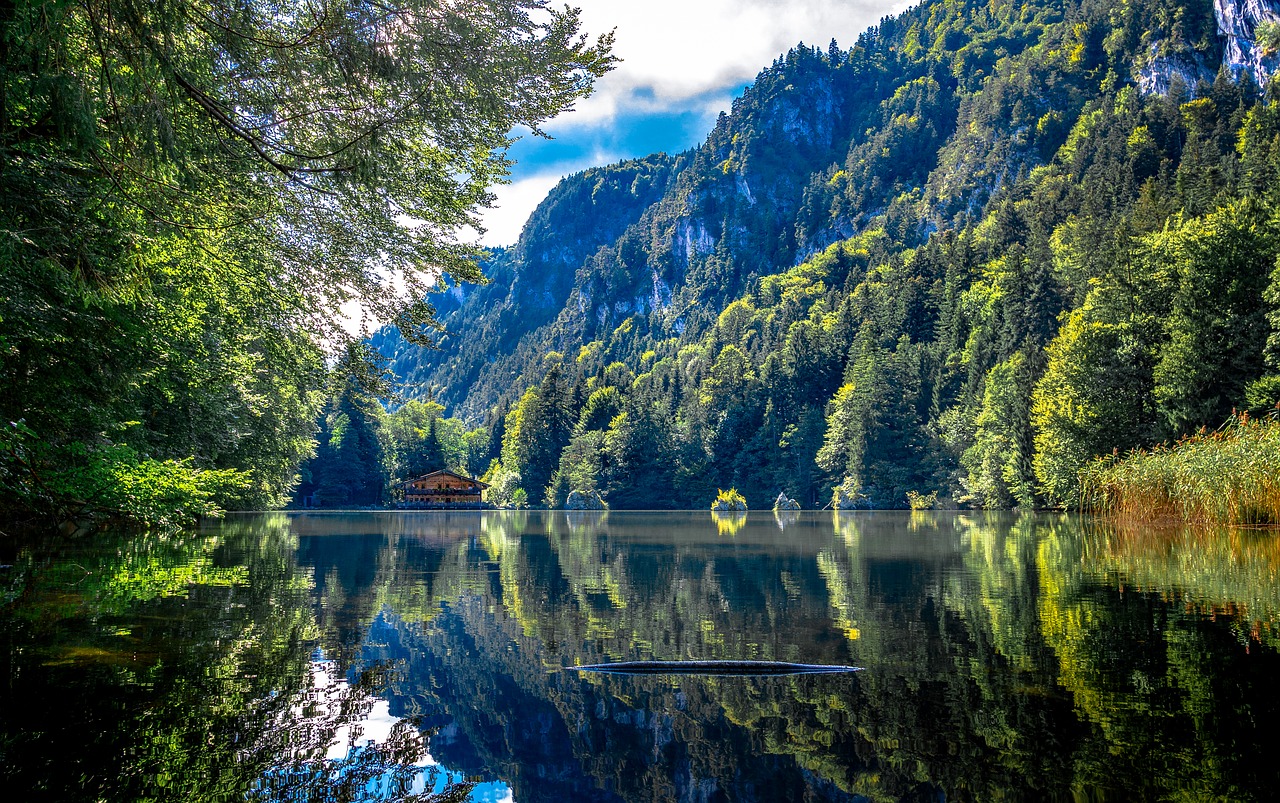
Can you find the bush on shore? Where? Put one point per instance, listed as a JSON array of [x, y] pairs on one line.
[[78, 483]]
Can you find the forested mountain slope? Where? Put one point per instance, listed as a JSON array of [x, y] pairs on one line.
[[985, 244]]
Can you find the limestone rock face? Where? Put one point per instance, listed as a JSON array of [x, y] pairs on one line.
[[1159, 75], [1238, 24], [1169, 63]]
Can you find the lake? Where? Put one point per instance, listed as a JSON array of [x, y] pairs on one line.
[[383, 656]]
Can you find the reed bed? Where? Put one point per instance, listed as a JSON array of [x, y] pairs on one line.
[[1231, 476]]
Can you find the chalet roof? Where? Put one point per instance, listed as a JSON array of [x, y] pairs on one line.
[[443, 472]]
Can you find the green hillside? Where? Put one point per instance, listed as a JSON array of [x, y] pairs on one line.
[[985, 244]]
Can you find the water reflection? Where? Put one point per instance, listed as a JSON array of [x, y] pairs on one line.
[[1006, 657]]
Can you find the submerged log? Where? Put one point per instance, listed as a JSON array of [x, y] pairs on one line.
[[722, 668]]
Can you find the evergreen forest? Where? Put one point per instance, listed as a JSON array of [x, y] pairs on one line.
[[959, 259], [968, 255]]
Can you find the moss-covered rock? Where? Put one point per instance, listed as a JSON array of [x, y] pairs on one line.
[[846, 495], [585, 500]]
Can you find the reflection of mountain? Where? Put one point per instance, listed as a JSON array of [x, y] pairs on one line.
[[557, 736], [1002, 662]]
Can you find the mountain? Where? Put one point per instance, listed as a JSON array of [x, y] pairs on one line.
[[983, 245]]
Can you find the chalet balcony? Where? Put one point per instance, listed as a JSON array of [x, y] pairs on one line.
[[441, 492], [426, 504]]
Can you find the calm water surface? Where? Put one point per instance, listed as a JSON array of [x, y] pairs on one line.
[[391, 656]]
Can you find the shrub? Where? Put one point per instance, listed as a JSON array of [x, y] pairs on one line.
[[729, 501], [846, 495], [1267, 35], [110, 480], [919, 501]]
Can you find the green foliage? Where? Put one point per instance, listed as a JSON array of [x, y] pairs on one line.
[[504, 487], [847, 496], [1084, 405], [998, 465], [349, 466], [538, 428], [1230, 476], [975, 257], [519, 499], [1221, 264], [78, 482], [919, 501], [179, 238], [729, 501], [418, 439], [1267, 35]]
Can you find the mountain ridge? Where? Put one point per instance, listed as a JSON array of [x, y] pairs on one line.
[[982, 128]]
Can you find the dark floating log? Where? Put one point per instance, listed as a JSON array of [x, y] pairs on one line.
[[720, 668]]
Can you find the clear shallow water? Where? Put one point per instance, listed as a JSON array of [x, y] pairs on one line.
[[379, 656]]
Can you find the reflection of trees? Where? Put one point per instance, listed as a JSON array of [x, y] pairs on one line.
[[1008, 657], [729, 524], [1217, 571], [139, 667], [1182, 700]]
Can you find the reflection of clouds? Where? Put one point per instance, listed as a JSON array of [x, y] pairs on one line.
[[374, 727], [368, 748]]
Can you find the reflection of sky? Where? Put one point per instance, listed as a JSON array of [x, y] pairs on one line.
[[495, 792], [375, 728]]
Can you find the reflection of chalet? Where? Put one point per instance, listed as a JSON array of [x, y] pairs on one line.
[[443, 489]]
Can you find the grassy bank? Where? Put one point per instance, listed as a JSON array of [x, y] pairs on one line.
[[1231, 476]]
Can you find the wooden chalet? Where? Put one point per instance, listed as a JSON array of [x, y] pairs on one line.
[[443, 490]]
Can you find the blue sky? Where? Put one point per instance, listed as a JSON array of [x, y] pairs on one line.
[[683, 62]]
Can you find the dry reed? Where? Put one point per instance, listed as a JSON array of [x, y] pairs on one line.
[[1231, 476]]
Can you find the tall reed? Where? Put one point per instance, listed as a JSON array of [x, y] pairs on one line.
[[1231, 476]]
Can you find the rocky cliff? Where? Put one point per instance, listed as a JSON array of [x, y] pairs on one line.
[[916, 129], [1238, 25]]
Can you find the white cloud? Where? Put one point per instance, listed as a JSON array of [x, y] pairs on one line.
[[679, 49], [677, 55], [517, 200]]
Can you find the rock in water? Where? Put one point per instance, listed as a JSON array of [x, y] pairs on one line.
[[784, 503]]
